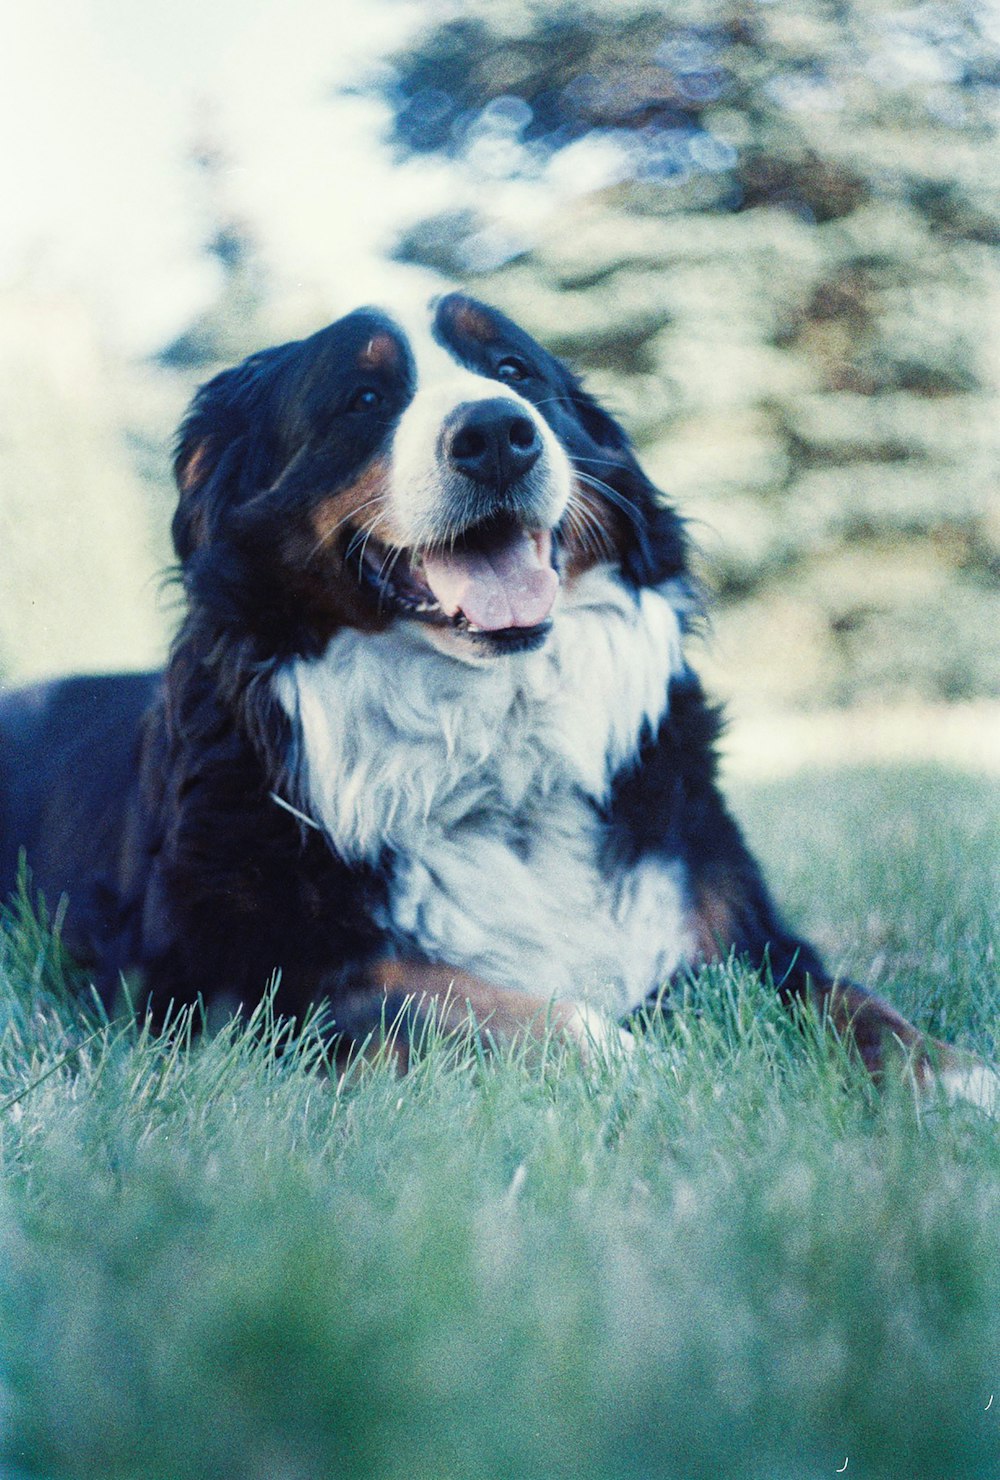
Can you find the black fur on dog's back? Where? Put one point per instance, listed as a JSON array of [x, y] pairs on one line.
[[70, 756]]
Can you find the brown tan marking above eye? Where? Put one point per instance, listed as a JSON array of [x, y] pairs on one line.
[[467, 318], [361, 508], [380, 353]]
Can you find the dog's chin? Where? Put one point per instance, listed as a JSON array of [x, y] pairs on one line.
[[484, 647]]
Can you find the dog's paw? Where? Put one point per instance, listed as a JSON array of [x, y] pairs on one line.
[[971, 1081], [597, 1036]]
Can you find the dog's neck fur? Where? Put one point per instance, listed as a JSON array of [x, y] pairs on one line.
[[478, 786], [396, 737]]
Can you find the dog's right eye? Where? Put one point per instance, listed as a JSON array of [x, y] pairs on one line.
[[511, 368], [365, 399]]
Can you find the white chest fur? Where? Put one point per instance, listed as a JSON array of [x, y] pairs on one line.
[[480, 780]]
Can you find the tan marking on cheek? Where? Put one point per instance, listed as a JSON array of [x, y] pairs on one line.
[[316, 582], [591, 532], [363, 505], [380, 353]]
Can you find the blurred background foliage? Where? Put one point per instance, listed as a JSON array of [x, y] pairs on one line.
[[785, 279], [768, 236]]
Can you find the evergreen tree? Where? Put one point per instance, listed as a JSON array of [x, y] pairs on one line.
[[775, 255], [224, 332]]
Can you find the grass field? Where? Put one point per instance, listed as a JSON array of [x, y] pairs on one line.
[[726, 1257]]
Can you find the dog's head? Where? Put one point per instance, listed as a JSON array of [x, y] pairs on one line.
[[449, 473]]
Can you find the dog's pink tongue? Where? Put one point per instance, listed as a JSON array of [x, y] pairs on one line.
[[512, 585]]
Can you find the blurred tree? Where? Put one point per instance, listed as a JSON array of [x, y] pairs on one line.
[[775, 252], [78, 550], [224, 331]]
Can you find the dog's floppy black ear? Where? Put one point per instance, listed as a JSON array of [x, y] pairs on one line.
[[205, 433], [193, 464], [599, 425], [224, 449]]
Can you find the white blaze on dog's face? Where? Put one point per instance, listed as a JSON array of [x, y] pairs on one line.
[[477, 483], [428, 483]]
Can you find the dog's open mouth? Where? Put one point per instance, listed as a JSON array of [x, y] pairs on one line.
[[497, 580]]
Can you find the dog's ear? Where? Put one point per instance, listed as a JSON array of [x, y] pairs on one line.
[[599, 425], [193, 465], [223, 451], [206, 431]]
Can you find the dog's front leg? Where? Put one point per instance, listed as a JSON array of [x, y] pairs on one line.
[[398, 998], [733, 913]]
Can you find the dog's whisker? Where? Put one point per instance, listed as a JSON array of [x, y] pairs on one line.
[[329, 534], [369, 534], [626, 505], [362, 536], [386, 569], [583, 507], [600, 486], [579, 533], [593, 539], [588, 528], [357, 546]]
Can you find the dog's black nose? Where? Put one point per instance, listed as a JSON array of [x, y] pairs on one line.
[[492, 442]]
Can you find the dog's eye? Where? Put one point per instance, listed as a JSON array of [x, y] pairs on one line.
[[365, 399], [512, 368]]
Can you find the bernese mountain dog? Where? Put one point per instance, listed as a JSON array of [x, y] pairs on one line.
[[427, 733]]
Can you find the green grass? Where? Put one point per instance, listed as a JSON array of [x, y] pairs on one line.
[[726, 1258]]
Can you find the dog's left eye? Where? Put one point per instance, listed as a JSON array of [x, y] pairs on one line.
[[365, 399], [512, 368]]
